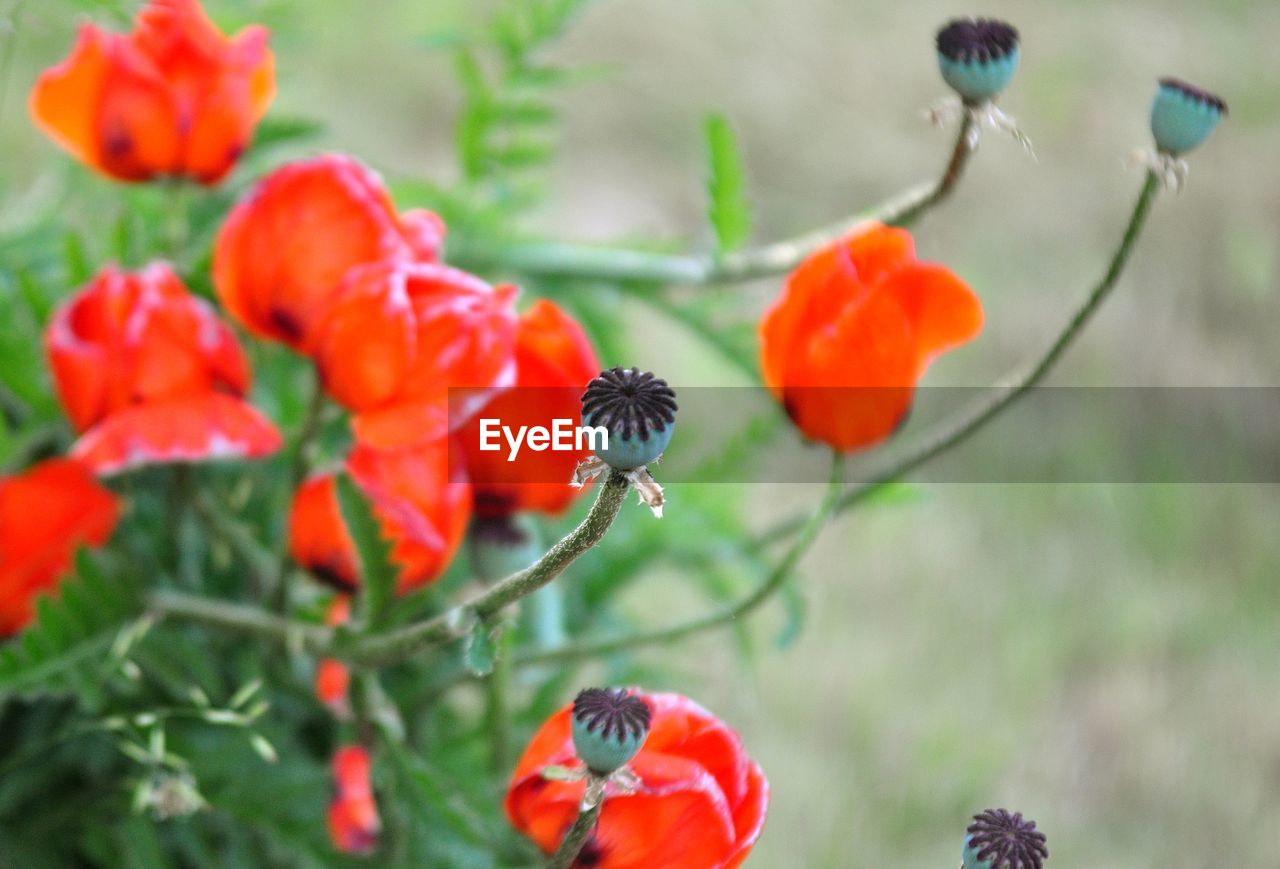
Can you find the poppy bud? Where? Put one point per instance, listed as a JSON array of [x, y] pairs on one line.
[[1000, 840], [1183, 116], [977, 57], [500, 546], [637, 409], [609, 726]]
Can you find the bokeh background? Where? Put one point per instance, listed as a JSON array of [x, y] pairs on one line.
[[1104, 658]]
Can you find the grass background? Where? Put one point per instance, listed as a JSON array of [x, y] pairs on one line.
[[1101, 657]]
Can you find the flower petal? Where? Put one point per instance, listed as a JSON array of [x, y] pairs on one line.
[[191, 429]]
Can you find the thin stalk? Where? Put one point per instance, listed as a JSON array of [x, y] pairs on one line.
[[498, 708], [776, 580], [574, 840], [590, 262]]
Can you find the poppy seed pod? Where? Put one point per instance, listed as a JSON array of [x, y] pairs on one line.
[[637, 409], [977, 57], [1000, 840], [1183, 116], [609, 726]]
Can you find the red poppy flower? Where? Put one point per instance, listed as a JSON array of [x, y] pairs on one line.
[[332, 676], [700, 804], [353, 814], [173, 98], [423, 508], [415, 348], [45, 514], [554, 363], [284, 250], [150, 374], [855, 329]]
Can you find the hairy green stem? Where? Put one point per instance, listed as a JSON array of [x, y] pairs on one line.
[[239, 618], [385, 649], [389, 648], [552, 259], [574, 840], [775, 580]]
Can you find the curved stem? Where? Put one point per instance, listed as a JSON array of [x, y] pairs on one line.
[[385, 649], [947, 436], [575, 839], [966, 421], [299, 467], [242, 619], [776, 579], [553, 259]]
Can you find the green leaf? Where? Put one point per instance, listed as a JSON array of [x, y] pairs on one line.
[[275, 131], [65, 650], [377, 573], [728, 209], [482, 649]]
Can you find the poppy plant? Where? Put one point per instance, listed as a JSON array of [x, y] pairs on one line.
[[353, 812], [855, 329], [423, 508], [46, 512], [284, 250], [700, 802], [414, 349], [174, 98], [554, 362], [149, 373]]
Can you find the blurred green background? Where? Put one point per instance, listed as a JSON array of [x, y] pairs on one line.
[[1103, 658]]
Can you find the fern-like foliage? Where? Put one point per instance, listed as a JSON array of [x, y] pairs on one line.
[[727, 207], [76, 637], [509, 123]]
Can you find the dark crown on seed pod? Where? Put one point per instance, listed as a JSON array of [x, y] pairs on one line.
[[1191, 92], [977, 39], [629, 401], [609, 726], [612, 713], [1006, 841]]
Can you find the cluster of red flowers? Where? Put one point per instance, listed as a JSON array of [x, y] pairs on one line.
[[317, 257]]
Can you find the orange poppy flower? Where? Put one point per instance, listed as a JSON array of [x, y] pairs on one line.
[[332, 676], [149, 373], [854, 330], [284, 250], [353, 814], [423, 508], [173, 98], [700, 803], [45, 514], [414, 349], [554, 363]]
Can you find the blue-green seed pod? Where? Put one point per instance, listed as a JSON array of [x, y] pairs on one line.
[[1183, 116], [609, 726], [637, 409], [977, 57], [1000, 840]]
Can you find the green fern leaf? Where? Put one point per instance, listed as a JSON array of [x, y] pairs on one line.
[[377, 573], [65, 650], [728, 209]]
